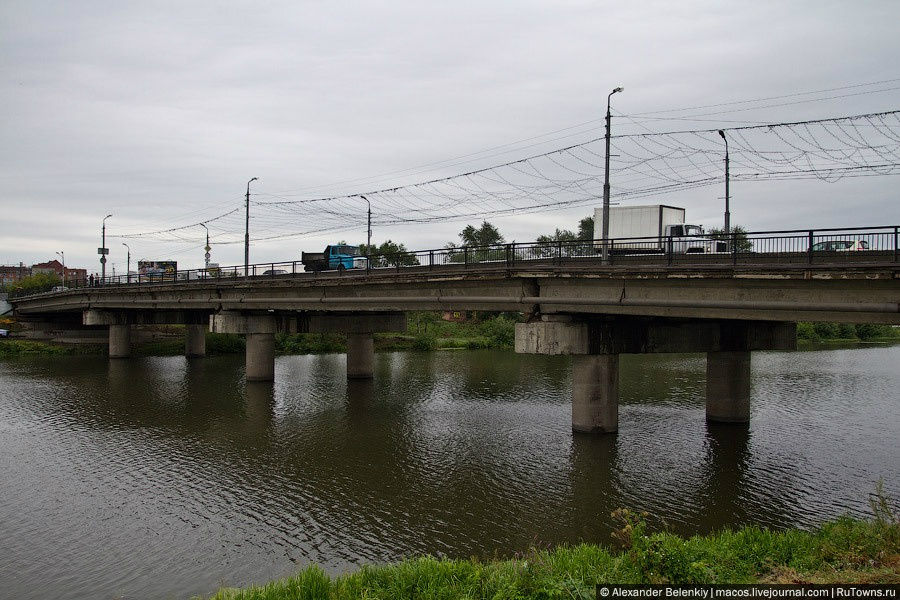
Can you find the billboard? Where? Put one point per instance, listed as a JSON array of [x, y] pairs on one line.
[[157, 267]]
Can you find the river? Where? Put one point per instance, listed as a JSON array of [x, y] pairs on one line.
[[163, 477]]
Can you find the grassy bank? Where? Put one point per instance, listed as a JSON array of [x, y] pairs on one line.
[[14, 348], [846, 550]]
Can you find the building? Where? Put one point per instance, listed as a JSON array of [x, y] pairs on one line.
[[13, 273], [56, 267]]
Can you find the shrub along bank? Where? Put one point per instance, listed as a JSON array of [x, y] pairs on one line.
[[846, 332], [846, 550]]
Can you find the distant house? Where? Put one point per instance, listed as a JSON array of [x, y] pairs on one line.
[[13, 273], [56, 267]]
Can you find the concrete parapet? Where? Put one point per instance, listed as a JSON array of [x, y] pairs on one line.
[[595, 394], [360, 356], [728, 387]]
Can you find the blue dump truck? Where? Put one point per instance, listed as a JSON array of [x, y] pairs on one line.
[[338, 257]]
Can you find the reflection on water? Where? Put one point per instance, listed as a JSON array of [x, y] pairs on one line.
[[161, 477]]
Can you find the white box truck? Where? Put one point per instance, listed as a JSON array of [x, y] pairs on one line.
[[652, 229]]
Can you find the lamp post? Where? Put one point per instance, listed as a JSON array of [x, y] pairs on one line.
[[247, 233], [727, 179], [369, 221], [206, 248], [128, 264], [605, 230], [63, 256], [103, 251]]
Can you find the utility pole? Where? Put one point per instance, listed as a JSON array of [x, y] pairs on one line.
[[63, 256], [247, 233], [727, 179], [369, 221], [103, 250], [128, 264], [605, 249], [206, 248]]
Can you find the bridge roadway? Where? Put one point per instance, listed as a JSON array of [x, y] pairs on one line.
[[577, 307]]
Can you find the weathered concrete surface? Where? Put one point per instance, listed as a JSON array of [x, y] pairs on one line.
[[260, 359], [542, 337], [595, 394], [360, 356], [236, 322], [194, 341], [119, 341], [640, 335], [126, 316], [728, 387]]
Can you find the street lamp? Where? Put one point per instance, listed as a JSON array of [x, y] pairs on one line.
[[369, 221], [103, 250], [605, 252], [128, 264], [207, 247], [247, 233], [727, 178], [63, 256]]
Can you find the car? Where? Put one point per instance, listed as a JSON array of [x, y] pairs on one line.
[[59, 288], [840, 246], [4, 332], [275, 272]]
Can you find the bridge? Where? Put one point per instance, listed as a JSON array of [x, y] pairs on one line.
[[643, 299]]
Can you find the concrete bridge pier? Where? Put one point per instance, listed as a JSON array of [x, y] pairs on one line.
[[728, 387], [260, 333], [360, 356], [595, 393], [119, 341], [260, 357], [195, 340], [597, 342]]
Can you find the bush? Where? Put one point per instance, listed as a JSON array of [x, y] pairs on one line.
[[224, 343], [424, 342]]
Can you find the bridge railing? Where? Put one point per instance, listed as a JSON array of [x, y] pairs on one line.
[[769, 249]]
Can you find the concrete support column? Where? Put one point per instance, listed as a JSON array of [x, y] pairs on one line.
[[728, 387], [194, 341], [260, 357], [360, 356], [119, 341], [595, 393]]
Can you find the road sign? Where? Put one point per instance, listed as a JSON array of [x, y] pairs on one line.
[[102, 260], [102, 250]]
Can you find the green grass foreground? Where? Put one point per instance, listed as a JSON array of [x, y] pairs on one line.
[[846, 550]]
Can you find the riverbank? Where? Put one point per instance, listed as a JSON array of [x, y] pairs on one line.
[[846, 550]]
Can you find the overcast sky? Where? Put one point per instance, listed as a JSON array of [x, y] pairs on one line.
[[159, 112]]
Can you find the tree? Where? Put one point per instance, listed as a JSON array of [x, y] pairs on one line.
[[586, 229], [34, 284], [546, 244], [388, 254], [560, 235], [486, 235], [738, 234]]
